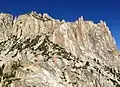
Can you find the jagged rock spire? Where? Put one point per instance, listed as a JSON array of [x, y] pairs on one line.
[[81, 18]]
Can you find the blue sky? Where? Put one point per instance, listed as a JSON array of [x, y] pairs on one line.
[[70, 10]]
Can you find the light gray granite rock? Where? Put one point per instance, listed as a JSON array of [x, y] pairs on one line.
[[39, 51]]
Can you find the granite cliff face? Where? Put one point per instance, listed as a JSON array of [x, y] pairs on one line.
[[39, 51]]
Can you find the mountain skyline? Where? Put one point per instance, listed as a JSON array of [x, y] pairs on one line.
[[71, 10]]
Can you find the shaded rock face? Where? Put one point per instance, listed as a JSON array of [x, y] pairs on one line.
[[39, 51]]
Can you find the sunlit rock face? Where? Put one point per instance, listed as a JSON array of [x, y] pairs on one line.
[[39, 51]]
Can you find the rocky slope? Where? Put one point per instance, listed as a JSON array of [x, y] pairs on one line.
[[39, 51]]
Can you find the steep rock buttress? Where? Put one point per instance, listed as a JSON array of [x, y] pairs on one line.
[[39, 51]]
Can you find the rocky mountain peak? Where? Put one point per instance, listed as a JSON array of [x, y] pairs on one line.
[[37, 50]]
